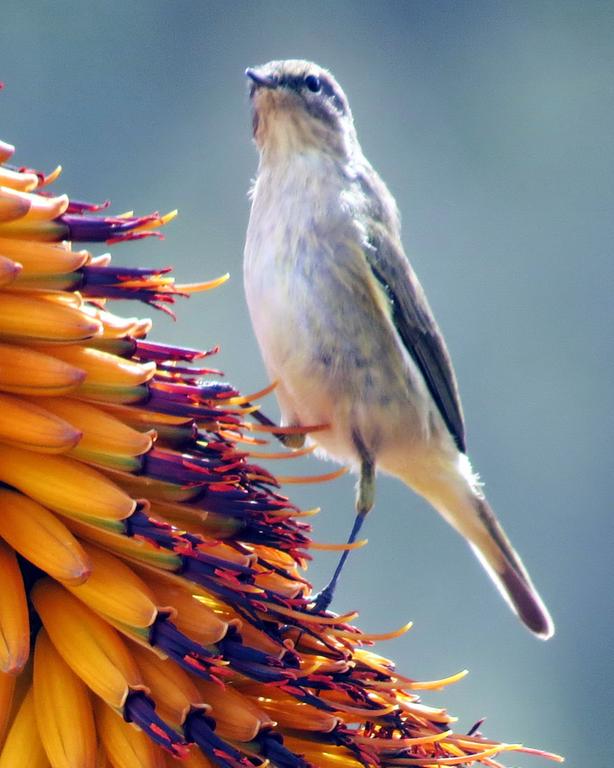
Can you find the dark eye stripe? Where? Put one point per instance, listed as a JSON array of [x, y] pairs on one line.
[[329, 90], [297, 83]]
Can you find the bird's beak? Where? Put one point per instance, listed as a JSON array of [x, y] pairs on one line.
[[259, 79]]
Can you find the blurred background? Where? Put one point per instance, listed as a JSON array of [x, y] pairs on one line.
[[492, 124]]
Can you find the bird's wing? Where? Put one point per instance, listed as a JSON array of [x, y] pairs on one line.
[[416, 325]]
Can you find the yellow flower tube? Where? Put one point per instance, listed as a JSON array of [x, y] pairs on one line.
[[237, 718], [37, 207], [29, 425], [104, 438], [324, 756], [28, 320], [65, 485], [103, 368], [21, 180], [125, 746], [173, 690], [194, 618], [28, 372], [7, 690], [130, 548], [9, 271], [90, 647], [42, 538], [287, 711], [67, 731], [114, 590], [14, 621], [12, 208], [23, 746], [43, 258]]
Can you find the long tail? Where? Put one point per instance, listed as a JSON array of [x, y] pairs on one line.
[[506, 569], [451, 487]]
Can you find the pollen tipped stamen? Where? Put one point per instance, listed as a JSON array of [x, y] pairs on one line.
[[294, 454], [188, 654], [294, 430], [324, 478], [338, 547], [199, 729], [139, 709], [246, 400]]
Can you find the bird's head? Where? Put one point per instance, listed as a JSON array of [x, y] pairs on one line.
[[299, 107]]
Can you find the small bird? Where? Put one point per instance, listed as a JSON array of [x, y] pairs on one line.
[[344, 325]]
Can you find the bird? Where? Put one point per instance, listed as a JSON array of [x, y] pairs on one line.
[[344, 326]]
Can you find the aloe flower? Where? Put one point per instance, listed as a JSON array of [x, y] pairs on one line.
[[154, 601]]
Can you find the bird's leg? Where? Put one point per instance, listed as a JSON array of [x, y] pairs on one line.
[[365, 497]]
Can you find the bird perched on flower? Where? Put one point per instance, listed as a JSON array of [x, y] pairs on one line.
[[344, 325]]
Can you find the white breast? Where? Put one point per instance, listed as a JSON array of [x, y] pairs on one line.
[[317, 313]]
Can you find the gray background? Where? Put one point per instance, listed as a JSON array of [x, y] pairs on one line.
[[492, 124]]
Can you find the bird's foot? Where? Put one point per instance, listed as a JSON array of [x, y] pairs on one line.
[[323, 599]]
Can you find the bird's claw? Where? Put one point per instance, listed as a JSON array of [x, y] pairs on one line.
[[322, 600]]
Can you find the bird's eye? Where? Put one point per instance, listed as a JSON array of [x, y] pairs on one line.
[[313, 83]]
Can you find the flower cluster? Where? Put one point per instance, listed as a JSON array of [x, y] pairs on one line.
[[154, 607]]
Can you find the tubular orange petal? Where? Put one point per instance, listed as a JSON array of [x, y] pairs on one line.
[[236, 716], [102, 434], [12, 208], [14, 621], [149, 488], [65, 485], [29, 425], [175, 694], [193, 617], [289, 712], [38, 208], [25, 371], [9, 271], [126, 747], [322, 755], [130, 548], [7, 689], [103, 368], [25, 182], [63, 709], [91, 648], [114, 590], [41, 538], [29, 320], [23, 746], [43, 258]]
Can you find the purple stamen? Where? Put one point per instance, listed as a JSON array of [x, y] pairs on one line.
[[186, 652], [272, 747], [176, 400], [140, 709], [79, 206], [148, 350], [108, 229], [199, 729], [253, 663]]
